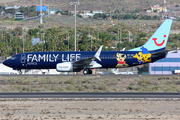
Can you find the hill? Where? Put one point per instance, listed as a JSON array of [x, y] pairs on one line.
[[5, 1], [104, 5]]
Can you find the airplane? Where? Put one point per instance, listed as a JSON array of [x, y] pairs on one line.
[[151, 51]]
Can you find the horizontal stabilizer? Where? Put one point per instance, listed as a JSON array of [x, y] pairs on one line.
[[160, 53], [174, 51]]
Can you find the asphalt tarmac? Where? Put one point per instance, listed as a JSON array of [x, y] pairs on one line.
[[89, 95]]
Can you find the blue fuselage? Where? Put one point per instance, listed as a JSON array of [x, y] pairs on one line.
[[109, 59]]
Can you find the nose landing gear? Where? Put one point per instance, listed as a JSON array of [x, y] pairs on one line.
[[87, 71]]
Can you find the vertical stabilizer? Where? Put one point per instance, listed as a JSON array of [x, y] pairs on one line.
[[159, 39]]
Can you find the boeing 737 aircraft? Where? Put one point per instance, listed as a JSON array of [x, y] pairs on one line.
[[152, 50]]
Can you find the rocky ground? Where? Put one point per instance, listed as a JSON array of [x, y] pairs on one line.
[[6, 1], [90, 109]]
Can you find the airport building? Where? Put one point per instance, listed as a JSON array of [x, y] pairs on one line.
[[168, 65]]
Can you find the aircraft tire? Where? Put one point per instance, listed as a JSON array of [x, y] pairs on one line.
[[20, 72], [87, 71]]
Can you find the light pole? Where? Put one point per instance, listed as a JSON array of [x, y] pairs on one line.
[[41, 11], [75, 2], [129, 34], [68, 41], [77, 40], [23, 39]]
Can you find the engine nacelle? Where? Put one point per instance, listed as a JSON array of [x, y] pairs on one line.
[[64, 67], [67, 67]]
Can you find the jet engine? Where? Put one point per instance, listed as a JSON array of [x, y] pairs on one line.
[[67, 67]]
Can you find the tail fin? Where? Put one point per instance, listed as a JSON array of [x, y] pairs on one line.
[[158, 41]]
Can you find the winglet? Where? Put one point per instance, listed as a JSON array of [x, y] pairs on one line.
[[123, 49], [98, 53]]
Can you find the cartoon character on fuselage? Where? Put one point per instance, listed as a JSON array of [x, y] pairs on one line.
[[121, 60]]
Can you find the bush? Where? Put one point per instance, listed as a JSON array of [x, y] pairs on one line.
[[86, 81], [70, 81], [87, 86], [143, 82], [155, 88], [70, 88], [103, 87], [80, 88], [177, 83], [130, 87]]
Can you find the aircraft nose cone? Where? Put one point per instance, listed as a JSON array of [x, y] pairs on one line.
[[6, 62]]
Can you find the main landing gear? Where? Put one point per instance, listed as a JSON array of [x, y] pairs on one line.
[[20, 72], [87, 71]]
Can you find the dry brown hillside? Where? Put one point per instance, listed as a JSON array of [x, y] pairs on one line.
[[96, 4], [5, 1]]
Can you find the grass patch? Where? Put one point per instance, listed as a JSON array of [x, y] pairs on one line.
[[90, 84]]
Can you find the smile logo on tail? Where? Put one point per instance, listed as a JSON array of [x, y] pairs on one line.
[[158, 43]]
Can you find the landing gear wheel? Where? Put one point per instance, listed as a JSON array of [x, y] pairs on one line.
[[20, 72], [87, 71]]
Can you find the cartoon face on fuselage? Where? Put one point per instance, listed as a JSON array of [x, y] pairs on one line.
[[120, 57], [121, 60]]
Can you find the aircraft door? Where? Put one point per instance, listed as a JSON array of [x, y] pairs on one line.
[[23, 58]]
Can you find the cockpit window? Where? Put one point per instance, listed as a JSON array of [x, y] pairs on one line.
[[12, 58]]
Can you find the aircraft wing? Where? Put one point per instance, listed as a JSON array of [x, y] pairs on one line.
[[89, 62], [84, 62]]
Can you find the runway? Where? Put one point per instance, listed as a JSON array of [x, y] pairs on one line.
[[68, 75], [89, 95]]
